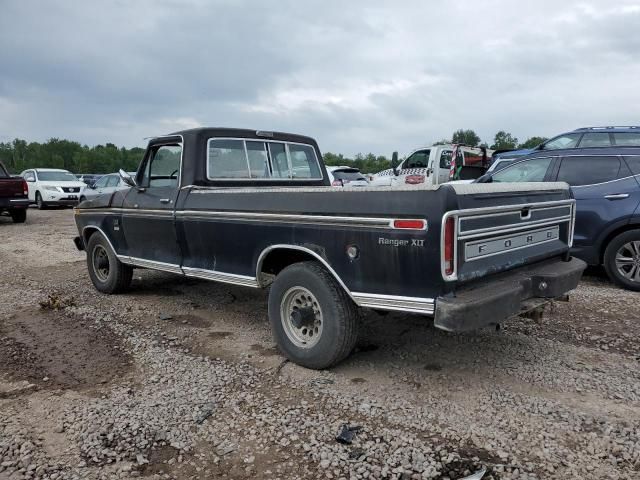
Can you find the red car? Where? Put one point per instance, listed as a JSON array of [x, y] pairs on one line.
[[13, 196]]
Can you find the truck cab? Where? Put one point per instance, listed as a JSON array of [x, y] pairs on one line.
[[432, 166]]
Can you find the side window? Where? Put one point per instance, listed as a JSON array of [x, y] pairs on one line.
[[226, 159], [279, 162], [625, 139], [163, 167], [303, 162], [595, 139], [525, 171], [585, 170], [258, 159], [634, 164], [102, 182], [563, 141], [445, 159], [418, 160], [113, 181]]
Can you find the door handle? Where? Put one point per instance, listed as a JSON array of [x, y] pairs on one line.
[[165, 200], [617, 196]]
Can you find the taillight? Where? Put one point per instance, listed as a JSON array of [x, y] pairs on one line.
[[449, 247], [409, 224], [25, 188], [336, 183]]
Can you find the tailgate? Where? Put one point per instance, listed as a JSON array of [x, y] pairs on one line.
[[11, 187], [498, 227]]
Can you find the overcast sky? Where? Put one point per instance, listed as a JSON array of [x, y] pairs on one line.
[[357, 76]]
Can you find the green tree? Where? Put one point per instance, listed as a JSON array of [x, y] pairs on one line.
[[532, 142], [465, 137], [504, 141], [444, 141]]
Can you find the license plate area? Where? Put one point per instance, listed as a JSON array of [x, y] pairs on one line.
[[479, 249]]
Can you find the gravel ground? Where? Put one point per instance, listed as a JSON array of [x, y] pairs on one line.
[[181, 379]]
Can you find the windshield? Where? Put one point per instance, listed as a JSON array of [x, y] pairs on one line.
[[56, 177], [569, 140], [525, 171], [348, 175]]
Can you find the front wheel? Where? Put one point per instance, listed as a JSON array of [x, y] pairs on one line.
[[622, 260], [40, 202], [313, 320], [108, 274], [19, 215]]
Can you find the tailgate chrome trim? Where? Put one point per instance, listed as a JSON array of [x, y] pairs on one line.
[[495, 211]]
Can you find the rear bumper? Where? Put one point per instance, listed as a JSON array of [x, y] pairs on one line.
[[495, 299], [7, 203]]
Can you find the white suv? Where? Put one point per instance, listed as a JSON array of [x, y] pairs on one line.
[[52, 186]]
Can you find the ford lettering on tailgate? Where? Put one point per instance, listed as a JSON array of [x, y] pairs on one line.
[[484, 248]]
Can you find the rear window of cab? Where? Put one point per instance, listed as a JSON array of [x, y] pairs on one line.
[[247, 159]]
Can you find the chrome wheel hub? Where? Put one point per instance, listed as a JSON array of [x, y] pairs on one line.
[[301, 317], [628, 261]]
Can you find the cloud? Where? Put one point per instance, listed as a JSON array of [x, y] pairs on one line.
[[358, 76]]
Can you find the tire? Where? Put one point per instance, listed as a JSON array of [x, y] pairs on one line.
[[82, 199], [108, 274], [622, 260], [41, 205], [331, 329], [18, 215]]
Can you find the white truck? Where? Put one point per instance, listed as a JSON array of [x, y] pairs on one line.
[[432, 166]]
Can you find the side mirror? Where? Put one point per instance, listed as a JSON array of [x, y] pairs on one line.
[[394, 163], [126, 178]]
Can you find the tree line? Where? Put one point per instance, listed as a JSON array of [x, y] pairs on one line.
[[19, 155]]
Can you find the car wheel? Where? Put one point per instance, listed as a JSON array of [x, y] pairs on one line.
[[82, 199], [622, 260], [108, 274], [18, 215], [41, 205], [314, 321]]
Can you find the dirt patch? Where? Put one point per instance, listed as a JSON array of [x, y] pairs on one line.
[[265, 351], [219, 335], [53, 350]]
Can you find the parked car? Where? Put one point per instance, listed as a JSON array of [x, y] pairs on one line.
[[224, 205], [587, 137], [346, 176], [88, 178], [52, 186], [606, 186], [14, 198], [106, 184], [432, 166]]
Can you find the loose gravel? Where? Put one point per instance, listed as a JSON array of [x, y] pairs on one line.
[[205, 394]]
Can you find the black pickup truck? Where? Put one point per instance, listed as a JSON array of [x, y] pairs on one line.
[[13, 196], [256, 209]]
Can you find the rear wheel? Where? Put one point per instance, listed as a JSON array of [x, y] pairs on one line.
[[622, 260], [108, 274], [18, 215], [313, 320], [40, 202]]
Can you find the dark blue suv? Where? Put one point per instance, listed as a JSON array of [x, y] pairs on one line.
[[606, 185], [588, 137]]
